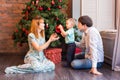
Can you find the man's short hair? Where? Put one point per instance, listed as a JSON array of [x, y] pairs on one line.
[[85, 20]]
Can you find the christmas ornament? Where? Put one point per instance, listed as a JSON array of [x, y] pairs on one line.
[[57, 18], [26, 13], [26, 32], [49, 9], [20, 44], [37, 1], [46, 25], [23, 29], [16, 31], [33, 2], [40, 8], [59, 7], [26, 18], [60, 0], [28, 7], [53, 2], [57, 30]]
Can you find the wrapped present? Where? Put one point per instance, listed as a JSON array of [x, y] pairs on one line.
[[53, 54], [78, 51]]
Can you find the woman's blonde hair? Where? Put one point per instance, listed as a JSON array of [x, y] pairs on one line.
[[34, 26]]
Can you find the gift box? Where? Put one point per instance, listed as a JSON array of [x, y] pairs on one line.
[[78, 51], [53, 54]]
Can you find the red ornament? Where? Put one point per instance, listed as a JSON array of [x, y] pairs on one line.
[[47, 26], [26, 13], [37, 1], [20, 44], [57, 29], [53, 2], [23, 29], [33, 2], [26, 32], [28, 7], [26, 18], [40, 8], [16, 31], [57, 18], [60, 0], [59, 7], [49, 9]]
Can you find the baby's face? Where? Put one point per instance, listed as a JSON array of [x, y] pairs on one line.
[[68, 24]]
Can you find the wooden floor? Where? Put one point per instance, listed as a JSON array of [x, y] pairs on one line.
[[60, 73]]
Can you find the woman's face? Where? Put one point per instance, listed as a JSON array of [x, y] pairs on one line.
[[41, 24]]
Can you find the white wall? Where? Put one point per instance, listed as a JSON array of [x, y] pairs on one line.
[[106, 14], [89, 7], [76, 9], [101, 11]]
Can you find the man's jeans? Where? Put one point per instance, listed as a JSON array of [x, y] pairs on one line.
[[81, 63]]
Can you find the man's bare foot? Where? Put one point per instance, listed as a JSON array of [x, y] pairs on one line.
[[95, 72]]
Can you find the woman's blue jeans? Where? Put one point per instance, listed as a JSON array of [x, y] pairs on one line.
[[82, 63]]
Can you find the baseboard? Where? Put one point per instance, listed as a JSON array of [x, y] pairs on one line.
[[108, 60], [11, 54]]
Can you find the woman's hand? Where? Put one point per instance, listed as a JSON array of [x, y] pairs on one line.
[[53, 37], [95, 71]]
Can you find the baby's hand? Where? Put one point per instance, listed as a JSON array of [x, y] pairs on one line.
[[60, 26]]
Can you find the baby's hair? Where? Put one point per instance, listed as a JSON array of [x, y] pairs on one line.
[[72, 20]]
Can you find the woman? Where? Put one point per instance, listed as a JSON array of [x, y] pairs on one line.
[[35, 60]]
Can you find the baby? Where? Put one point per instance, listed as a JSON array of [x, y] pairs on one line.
[[69, 40]]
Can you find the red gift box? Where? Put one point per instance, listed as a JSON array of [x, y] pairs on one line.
[[53, 54], [78, 50]]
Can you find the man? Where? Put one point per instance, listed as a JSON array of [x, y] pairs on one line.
[[93, 56]]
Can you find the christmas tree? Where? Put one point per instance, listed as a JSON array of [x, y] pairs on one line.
[[50, 10]]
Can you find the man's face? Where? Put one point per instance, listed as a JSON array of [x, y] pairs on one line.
[[80, 26]]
